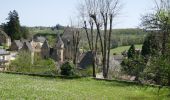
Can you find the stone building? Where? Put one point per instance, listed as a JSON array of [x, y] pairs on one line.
[[4, 59], [16, 45], [57, 52], [37, 43], [67, 38], [5, 40]]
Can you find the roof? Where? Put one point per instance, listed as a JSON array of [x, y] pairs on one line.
[[118, 57], [60, 42], [3, 52], [86, 59], [39, 39], [67, 35], [45, 44], [18, 43], [27, 46]]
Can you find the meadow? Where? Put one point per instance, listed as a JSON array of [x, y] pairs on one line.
[[121, 49], [33, 87]]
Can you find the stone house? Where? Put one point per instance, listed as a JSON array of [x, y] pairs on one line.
[[37, 43], [16, 45], [57, 52], [4, 59], [5, 40], [67, 38]]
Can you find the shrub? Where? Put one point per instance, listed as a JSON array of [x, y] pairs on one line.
[[158, 71], [23, 64], [67, 69], [133, 67]]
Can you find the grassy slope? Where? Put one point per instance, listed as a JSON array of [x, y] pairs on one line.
[[119, 50], [28, 87]]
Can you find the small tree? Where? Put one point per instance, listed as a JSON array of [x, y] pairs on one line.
[[131, 51]]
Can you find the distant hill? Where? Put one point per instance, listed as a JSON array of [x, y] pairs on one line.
[[120, 37]]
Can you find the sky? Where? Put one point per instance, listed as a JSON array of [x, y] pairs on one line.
[[52, 12]]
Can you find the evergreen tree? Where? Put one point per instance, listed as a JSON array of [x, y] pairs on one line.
[[131, 51], [13, 25], [146, 48]]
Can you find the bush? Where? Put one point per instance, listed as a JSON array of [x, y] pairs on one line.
[[158, 71], [23, 64], [133, 67], [67, 69]]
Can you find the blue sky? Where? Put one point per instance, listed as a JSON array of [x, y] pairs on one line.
[[52, 12]]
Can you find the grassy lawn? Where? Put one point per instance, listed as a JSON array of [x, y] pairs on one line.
[[29, 87], [119, 50]]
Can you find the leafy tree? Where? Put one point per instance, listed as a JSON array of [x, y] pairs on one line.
[[131, 51], [158, 71], [150, 46], [159, 20], [24, 32], [134, 66]]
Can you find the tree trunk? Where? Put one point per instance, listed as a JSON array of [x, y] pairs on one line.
[[110, 32]]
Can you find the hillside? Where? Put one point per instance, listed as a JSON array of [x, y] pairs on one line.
[[120, 37], [121, 49]]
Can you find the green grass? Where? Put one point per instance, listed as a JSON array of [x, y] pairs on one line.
[[31, 88], [119, 50]]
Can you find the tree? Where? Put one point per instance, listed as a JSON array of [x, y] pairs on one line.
[[160, 21], [13, 25], [76, 41], [131, 51], [24, 32], [101, 13]]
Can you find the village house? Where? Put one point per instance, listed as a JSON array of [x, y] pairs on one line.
[[37, 43], [4, 59], [16, 45]]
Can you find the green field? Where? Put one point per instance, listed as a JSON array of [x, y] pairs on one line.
[[119, 50], [41, 88]]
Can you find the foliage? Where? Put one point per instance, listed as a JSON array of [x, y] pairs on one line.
[[131, 51], [23, 64], [150, 46], [32, 87], [158, 71], [13, 27], [25, 32], [67, 69], [121, 49], [133, 66]]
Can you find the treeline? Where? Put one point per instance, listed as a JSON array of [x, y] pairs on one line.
[[120, 37], [125, 37]]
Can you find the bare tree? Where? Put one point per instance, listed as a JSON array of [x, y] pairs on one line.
[[75, 30], [76, 41], [101, 13]]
